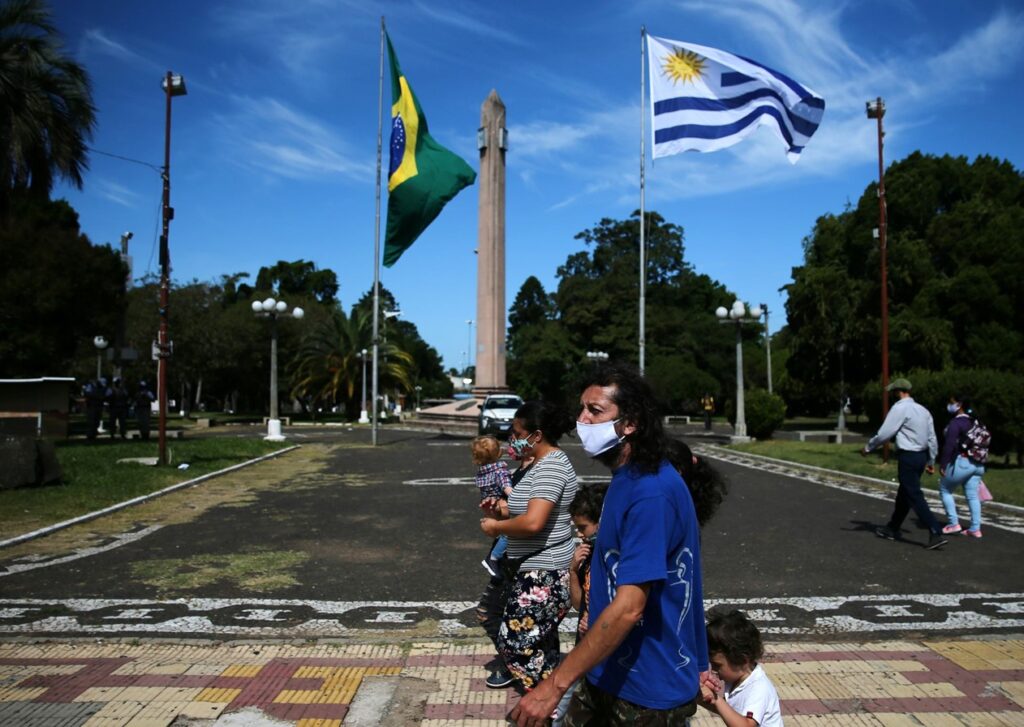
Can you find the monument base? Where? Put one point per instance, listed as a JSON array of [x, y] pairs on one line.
[[482, 392]]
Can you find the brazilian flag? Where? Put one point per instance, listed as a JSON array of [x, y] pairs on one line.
[[422, 176]]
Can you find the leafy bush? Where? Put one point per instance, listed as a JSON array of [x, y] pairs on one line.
[[764, 412], [997, 398]]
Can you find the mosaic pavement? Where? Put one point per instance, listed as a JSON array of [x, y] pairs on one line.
[[892, 683]]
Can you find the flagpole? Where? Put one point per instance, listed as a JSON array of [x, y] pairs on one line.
[[376, 239], [643, 248]]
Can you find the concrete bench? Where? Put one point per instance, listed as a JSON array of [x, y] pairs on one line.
[[154, 434], [676, 419], [285, 421]]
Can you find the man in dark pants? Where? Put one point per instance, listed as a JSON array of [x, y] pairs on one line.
[[143, 401], [912, 426]]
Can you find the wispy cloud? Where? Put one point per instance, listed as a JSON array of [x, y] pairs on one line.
[[469, 24], [115, 192], [95, 40], [268, 135]]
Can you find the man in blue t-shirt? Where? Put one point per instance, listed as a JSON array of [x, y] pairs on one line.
[[645, 653]]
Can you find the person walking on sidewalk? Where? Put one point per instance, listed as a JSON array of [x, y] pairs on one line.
[[645, 653], [958, 467], [912, 426]]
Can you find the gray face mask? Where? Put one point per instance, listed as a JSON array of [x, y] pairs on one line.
[[953, 408], [598, 438]]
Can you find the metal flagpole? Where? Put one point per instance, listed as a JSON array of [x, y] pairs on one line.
[[643, 249], [376, 239]]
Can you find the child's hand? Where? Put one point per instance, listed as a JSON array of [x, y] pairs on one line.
[[581, 553], [491, 506], [707, 697]]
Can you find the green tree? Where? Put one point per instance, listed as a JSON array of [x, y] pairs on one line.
[[955, 261], [298, 278], [328, 368], [47, 114], [596, 307], [57, 291]]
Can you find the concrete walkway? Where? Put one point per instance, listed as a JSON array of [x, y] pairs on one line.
[[441, 684]]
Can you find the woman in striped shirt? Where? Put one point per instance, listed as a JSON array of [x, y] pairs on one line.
[[539, 529]]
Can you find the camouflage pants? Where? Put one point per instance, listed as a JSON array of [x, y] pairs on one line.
[[591, 707]]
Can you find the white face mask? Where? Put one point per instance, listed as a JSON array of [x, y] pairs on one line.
[[597, 438], [953, 408]]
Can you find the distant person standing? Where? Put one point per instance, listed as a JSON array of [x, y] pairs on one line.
[[912, 426], [118, 408], [93, 391], [707, 405], [144, 399]]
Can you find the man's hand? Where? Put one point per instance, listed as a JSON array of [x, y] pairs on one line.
[[535, 709], [930, 469], [863, 452]]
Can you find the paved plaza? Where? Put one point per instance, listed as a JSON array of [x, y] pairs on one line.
[[335, 585]]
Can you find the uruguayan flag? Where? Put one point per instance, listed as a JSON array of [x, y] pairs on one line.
[[704, 99]]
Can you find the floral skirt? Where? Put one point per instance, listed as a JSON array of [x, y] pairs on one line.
[[528, 636]]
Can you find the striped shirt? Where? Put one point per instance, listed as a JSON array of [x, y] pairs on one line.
[[550, 478]]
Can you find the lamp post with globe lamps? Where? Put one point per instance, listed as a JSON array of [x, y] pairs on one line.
[[274, 309], [738, 315], [364, 418], [597, 356]]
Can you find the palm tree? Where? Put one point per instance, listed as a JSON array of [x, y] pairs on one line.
[[328, 367], [46, 111]]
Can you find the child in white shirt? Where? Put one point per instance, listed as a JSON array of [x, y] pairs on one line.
[[749, 698]]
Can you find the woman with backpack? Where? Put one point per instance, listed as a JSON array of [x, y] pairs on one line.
[[964, 452]]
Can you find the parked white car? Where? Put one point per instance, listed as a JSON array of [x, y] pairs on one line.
[[497, 412]]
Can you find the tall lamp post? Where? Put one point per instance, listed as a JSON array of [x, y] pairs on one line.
[[767, 345], [364, 418], [596, 356], [841, 425], [876, 110], [737, 315], [418, 390], [469, 343], [274, 309], [174, 85]]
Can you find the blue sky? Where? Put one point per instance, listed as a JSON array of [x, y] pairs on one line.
[[273, 150]]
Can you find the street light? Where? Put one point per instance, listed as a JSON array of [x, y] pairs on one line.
[[841, 426], [173, 85], [876, 110], [767, 345], [274, 309], [363, 416], [596, 356], [738, 315], [469, 343], [100, 343], [418, 390]]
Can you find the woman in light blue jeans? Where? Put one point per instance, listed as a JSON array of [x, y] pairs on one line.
[[967, 473], [958, 469]]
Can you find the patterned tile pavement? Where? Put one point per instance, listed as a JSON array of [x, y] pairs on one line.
[[890, 683]]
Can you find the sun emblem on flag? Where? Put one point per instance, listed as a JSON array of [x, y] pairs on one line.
[[683, 66]]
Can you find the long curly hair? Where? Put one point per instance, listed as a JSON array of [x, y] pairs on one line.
[[637, 405], [707, 488]]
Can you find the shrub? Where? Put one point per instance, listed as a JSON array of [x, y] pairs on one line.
[[764, 412]]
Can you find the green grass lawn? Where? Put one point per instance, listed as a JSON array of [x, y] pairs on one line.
[[93, 478], [1006, 483]]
